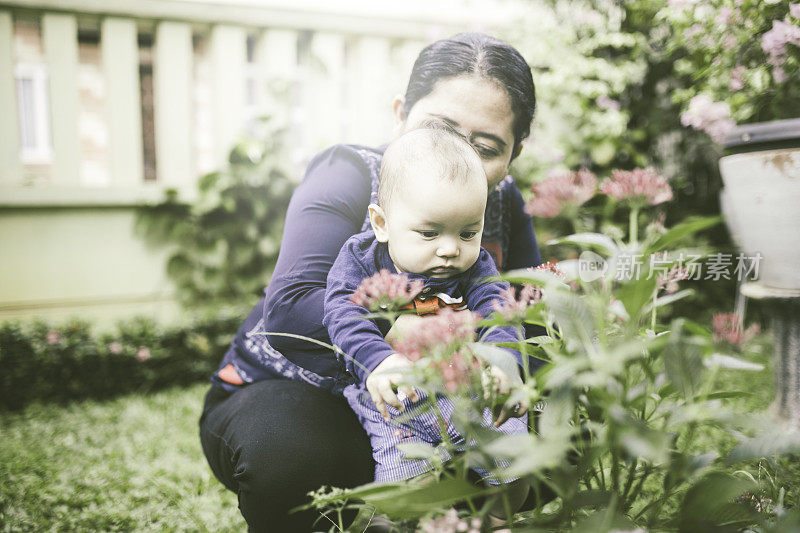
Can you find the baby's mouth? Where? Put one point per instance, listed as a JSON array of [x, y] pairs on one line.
[[443, 270]]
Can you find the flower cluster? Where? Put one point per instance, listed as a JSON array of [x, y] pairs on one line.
[[450, 523], [740, 55], [512, 304], [669, 281], [638, 186], [386, 291], [558, 191], [774, 43], [444, 331], [714, 118], [728, 328]]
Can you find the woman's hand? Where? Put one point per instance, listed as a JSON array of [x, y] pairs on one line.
[[502, 386], [382, 380], [403, 326]]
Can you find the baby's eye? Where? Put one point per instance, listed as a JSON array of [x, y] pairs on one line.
[[427, 234], [467, 235]]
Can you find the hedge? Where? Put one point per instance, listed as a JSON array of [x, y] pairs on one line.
[[47, 363]]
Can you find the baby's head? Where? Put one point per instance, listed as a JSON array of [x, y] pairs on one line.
[[432, 197]]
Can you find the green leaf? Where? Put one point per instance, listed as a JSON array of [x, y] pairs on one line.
[[635, 294], [710, 502], [418, 450], [498, 357], [668, 299], [587, 240], [779, 441], [680, 231], [730, 362], [412, 500]]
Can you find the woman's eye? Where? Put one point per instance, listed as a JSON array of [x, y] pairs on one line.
[[467, 235], [427, 234], [486, 152]]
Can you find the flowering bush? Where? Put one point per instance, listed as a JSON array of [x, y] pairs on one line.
[[621, 401], [745, 59]]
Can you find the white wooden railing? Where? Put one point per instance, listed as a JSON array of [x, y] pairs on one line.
[[361, 56]]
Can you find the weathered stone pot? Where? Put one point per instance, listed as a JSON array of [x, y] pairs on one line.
[[761, 197], [761, 204]]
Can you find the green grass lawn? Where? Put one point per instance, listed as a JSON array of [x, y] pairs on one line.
[[131, 464]]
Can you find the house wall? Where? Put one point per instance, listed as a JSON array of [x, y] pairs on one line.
[[145, 95]]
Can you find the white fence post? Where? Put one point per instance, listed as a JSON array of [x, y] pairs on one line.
[[172, 92], [228, 58], [123, 102], [325, 92], [370, 93], [10, 167], [60, 37]]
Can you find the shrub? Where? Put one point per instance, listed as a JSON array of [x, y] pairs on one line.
[[47, 363]]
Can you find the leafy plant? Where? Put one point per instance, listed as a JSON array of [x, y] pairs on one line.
[[624, 399], [226, 242]]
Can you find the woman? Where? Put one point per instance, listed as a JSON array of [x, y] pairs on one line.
[[271, 429]]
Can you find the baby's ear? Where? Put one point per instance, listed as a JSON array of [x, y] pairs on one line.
[[377, 218]]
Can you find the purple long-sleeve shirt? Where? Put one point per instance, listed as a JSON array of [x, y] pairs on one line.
[[327, 208], [363, 340]]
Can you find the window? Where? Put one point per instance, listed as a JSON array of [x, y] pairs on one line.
[[34, 114]]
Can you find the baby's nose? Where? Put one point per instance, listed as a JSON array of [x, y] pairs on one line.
[[448, 248]]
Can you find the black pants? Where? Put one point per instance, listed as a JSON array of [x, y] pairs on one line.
[[274, 441]]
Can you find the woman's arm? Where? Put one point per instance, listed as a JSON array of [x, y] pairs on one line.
[[326, 209], [523, 250]]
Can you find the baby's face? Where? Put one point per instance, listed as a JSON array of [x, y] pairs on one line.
[[434, 226]]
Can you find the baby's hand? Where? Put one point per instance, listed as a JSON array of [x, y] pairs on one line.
[[502, 386], [380, 384]]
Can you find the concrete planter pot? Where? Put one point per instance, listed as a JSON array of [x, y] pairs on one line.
[[761, 198], [761, 204]]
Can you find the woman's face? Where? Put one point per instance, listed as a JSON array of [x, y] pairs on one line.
[[476, 107]]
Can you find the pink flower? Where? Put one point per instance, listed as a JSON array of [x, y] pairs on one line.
[[774, 41], [560, 190], [638, 186], [669, 281], [53, 337], [604, 102], [708, 116], [115, 348], [779, 75], [449, 523], [693, 31], [725, 15], [513, 306], [794, 10], [142, 354], [444, 331], [729, 42], [385, 290], [728, 328], [737, 78]]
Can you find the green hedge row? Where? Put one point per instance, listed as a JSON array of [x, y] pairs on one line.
[[42, 362]]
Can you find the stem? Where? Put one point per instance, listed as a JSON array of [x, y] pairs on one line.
[[523, 353], [634, 225], [602, 473], [629, 482], [653, 312]]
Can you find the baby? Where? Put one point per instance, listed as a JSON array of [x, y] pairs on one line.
[[428, 224]]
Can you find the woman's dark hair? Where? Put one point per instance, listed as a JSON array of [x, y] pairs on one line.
[[476, 53]]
